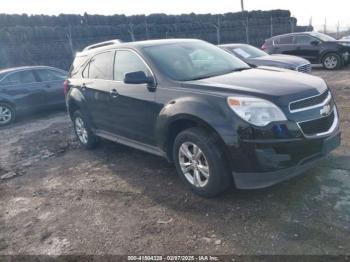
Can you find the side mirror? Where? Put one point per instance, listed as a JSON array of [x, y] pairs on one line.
[[314, 42], [138, 77]]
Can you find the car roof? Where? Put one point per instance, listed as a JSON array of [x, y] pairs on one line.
[[138, 45], [292, 34], [22, 68]]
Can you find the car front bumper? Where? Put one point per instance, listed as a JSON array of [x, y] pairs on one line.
[[263, 164], [346, 57]]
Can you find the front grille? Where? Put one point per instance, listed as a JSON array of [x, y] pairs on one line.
[[304, 68], [315, 100], [317, 126]]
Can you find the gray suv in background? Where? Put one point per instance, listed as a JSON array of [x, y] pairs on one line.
[[316, 47], [28, 89]]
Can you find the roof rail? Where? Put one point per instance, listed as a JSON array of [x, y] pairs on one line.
[[102, 44]]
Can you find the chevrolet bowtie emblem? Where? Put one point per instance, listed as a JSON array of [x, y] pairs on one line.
[[325, 110]]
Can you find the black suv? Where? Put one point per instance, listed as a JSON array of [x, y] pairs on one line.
[[220, 121], [315, 47]]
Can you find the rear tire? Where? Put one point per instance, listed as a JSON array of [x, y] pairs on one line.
[[7, 114], [332, 61], [200, 163], [83, 131]]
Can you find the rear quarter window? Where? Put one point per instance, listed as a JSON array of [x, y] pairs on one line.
[[100, 66], [77, 64]]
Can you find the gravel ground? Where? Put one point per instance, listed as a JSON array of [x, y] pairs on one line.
[[56, 198]]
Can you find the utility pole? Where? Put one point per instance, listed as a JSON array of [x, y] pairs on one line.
[[147, 30], [291, 21], [242, 5], [217, 26], [338, 26], [310, 23], [325, 26], [271, 26]]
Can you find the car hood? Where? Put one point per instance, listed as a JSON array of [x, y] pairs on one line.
[[343, 41], [283, 59], [278, 85]]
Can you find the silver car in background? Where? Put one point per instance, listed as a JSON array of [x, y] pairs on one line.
[[256, 57]]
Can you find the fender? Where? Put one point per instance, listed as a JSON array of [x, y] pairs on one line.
[[323, 53], [6, 99], [76, 98], [214, 115]]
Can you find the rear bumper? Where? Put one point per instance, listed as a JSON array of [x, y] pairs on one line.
[[271, 163]]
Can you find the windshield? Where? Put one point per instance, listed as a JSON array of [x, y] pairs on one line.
[[323, 37], [247, 51], [193, 60]]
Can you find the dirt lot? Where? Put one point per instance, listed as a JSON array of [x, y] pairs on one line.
[[56, 198]]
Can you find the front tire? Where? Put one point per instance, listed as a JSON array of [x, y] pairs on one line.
[[7, 114], [83, 131], [200, 163], [332, 61]]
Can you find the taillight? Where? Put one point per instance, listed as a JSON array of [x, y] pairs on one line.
[[65, 87]]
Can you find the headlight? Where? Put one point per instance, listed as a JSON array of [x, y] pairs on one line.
[[345, 44], [256, 111]]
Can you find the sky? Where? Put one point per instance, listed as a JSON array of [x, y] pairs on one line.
[[303, 10]]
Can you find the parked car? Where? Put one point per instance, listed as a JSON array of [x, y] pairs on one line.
[[30, 88], [256, 57], [220, 121], [316, 47]]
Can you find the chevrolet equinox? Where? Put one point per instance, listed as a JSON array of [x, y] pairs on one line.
[[219, 121]]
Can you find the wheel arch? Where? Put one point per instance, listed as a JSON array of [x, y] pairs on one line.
[[74, 101], [184, 121], [9, 103], [12, 107], [329, 52]]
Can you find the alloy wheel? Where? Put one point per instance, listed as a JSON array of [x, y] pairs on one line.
[[81, 130], [194, 164], [331, 62], [5, 115]]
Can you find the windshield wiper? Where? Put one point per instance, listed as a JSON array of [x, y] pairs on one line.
[[240, 69]]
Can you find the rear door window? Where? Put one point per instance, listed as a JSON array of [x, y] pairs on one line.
[[22, 77], [101, 66], [285, 40]]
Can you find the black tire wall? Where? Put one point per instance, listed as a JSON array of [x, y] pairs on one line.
[[44, 40]]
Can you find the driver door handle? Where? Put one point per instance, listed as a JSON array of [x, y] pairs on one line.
[[113, 93]]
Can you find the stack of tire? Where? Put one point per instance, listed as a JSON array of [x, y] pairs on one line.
[[53, 40]]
